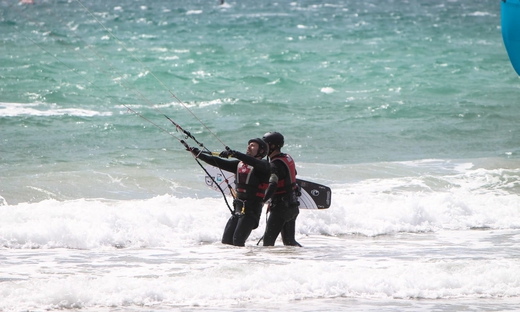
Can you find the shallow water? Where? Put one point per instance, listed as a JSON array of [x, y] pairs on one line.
[[444, 271]]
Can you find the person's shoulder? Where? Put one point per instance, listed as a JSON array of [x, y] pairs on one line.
[[289, 157], [285, 156]]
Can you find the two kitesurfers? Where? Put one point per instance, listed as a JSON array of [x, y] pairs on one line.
[[257, 181]]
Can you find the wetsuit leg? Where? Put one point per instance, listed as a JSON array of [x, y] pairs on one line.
[[288, 232], [229, 230], [244, 227], [273, 228]]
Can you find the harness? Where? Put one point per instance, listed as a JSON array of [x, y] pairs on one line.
[[288, 184], [247, 184]]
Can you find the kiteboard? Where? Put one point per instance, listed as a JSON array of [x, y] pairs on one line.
[[313, 195], [510, 24]]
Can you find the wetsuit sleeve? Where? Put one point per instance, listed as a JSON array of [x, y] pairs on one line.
[[259, 164], [226, 165], [278, 172]]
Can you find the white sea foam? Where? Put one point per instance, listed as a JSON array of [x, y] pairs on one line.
[[165, 252], [369, 207], [327, 90], [41, 109]]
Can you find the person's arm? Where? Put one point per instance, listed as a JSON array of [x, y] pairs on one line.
[[277, 173], [226, 165]]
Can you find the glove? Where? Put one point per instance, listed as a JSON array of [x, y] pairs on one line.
[[195, 151], [226, 154]]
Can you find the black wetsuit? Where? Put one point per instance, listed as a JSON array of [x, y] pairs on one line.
[[251, 178], [284, 205]]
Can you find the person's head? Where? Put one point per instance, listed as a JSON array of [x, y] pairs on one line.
[[274, 140], [257, 148]]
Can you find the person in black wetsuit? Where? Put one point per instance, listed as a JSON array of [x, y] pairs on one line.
[[251, 177], [282, 192]]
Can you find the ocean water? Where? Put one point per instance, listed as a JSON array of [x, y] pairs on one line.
[[408, 110]]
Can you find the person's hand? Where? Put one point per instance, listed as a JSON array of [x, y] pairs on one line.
[[195, 151], [228, 153], [225, 154]]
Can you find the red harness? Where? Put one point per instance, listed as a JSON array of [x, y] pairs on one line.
[[289, 182], [247, 181]]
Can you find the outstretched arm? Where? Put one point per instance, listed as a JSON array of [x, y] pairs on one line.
[[227, 165]]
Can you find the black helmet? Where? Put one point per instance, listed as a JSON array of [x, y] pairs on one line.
[[262, 147], [274, 138]]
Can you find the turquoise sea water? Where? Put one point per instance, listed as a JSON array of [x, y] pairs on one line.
[[346, 82], [408, 110]]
